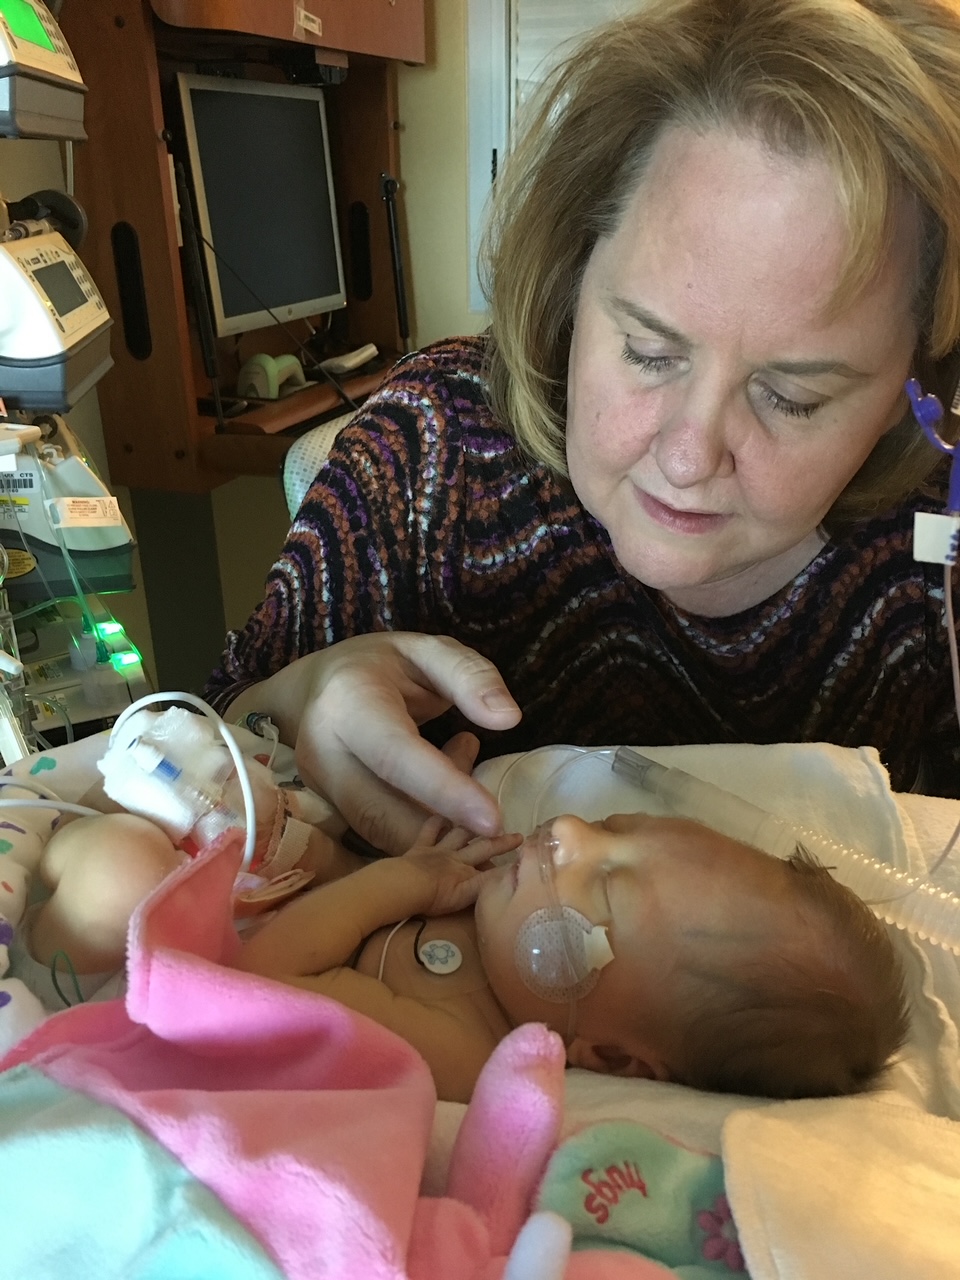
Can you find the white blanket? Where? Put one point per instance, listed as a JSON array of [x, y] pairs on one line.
[[860, 1187]]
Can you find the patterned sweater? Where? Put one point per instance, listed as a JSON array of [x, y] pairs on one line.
[[427, 518]]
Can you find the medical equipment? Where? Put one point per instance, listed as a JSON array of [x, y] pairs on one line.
[[194, 782], [61, 530], [910, 903], [54, 343], [41, 92], [559, 952], [935, 535], [60, 522]]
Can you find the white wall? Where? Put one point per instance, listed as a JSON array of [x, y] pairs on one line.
[[433, 163]]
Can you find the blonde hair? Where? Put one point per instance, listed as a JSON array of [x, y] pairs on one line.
[[872, 86], [823, 1025]]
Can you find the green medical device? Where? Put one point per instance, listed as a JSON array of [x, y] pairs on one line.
[[41, 91]]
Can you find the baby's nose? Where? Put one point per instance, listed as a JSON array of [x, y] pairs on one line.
[[571, 842]]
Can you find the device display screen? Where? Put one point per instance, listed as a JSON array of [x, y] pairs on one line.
[[60, 285], [22, 20]]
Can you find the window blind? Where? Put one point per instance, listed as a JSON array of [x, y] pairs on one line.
[[540, 29]]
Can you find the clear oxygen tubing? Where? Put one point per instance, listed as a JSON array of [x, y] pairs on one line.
[[909, 902]]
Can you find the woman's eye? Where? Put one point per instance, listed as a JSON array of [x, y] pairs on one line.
[[790, 408], [649, 364]]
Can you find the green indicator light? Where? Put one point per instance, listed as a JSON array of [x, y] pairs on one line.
[[107, 629], [126, 659], [22, 20]]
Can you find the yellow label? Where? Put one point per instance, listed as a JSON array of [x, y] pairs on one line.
[[21, 562], [7, 501]]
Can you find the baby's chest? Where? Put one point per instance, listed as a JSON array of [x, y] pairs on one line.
[[433, 961]]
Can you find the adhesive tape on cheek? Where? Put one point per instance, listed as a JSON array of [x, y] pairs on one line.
[[598, 948], [559, 955]]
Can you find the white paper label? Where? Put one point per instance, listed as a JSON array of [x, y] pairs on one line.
[[79, 513], [935, 537], [309, 21]]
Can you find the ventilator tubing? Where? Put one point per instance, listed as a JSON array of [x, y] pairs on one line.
[[909, 902]]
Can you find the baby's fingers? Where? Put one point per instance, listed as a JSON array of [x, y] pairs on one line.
[[428, 837], [482, 848]]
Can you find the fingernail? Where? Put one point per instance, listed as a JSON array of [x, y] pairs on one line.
[[483, 823], [498, 700]]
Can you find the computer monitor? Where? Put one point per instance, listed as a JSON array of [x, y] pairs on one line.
[[260, 163]]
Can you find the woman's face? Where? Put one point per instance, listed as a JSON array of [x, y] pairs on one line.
[[715, 408]]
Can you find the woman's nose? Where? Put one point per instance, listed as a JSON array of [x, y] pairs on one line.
[[692, 446]]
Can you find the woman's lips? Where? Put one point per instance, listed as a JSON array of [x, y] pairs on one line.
[[679, 521]]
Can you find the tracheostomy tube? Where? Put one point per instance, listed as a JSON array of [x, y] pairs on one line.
[[909, 902]]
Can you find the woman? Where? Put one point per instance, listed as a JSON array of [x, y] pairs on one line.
[[669, 496]]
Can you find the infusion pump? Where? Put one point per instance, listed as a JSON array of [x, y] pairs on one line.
[[54, 343]]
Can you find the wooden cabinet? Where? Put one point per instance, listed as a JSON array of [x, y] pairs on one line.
[[128, 52], [379, 28]]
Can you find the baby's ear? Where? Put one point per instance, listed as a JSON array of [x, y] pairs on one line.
[[615, 1060]]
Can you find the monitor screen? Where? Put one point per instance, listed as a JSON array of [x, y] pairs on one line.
[[21, 17], [260, 164], [60, 285]]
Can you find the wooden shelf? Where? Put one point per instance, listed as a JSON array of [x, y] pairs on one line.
[[290, 411], [155, 439]]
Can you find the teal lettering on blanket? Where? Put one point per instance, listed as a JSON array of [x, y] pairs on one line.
[[606, 1191], [41, 765], [621, 1185]]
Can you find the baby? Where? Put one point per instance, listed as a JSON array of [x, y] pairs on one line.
[[654, 945]]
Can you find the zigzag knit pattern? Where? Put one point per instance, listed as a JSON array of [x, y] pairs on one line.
[[427, 518]]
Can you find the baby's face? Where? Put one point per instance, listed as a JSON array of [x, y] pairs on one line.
[[666, 888]]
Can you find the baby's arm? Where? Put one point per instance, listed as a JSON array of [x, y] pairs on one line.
[[307, 943], [100, 870], [322, 928]]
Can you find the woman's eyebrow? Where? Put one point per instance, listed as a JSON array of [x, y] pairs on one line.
[[649, 320], [798, 368], [814, 368]]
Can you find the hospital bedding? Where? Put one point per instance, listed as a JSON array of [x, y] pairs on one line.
[[219, 1124]]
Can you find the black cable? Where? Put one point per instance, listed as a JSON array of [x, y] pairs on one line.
[[389, 187], [194, 265]]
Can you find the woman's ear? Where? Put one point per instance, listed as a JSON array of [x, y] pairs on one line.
[[614, 1060]]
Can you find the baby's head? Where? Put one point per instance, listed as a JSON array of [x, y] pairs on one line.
[[732, 970]]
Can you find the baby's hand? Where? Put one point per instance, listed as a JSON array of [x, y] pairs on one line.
[[450, 860]]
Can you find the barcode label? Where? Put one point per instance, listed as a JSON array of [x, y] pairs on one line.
[[11, 484]]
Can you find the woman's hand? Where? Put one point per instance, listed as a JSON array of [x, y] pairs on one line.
[[451, 862], [352, 711]]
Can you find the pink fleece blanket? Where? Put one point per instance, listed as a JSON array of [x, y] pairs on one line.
[[308, 1123]]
